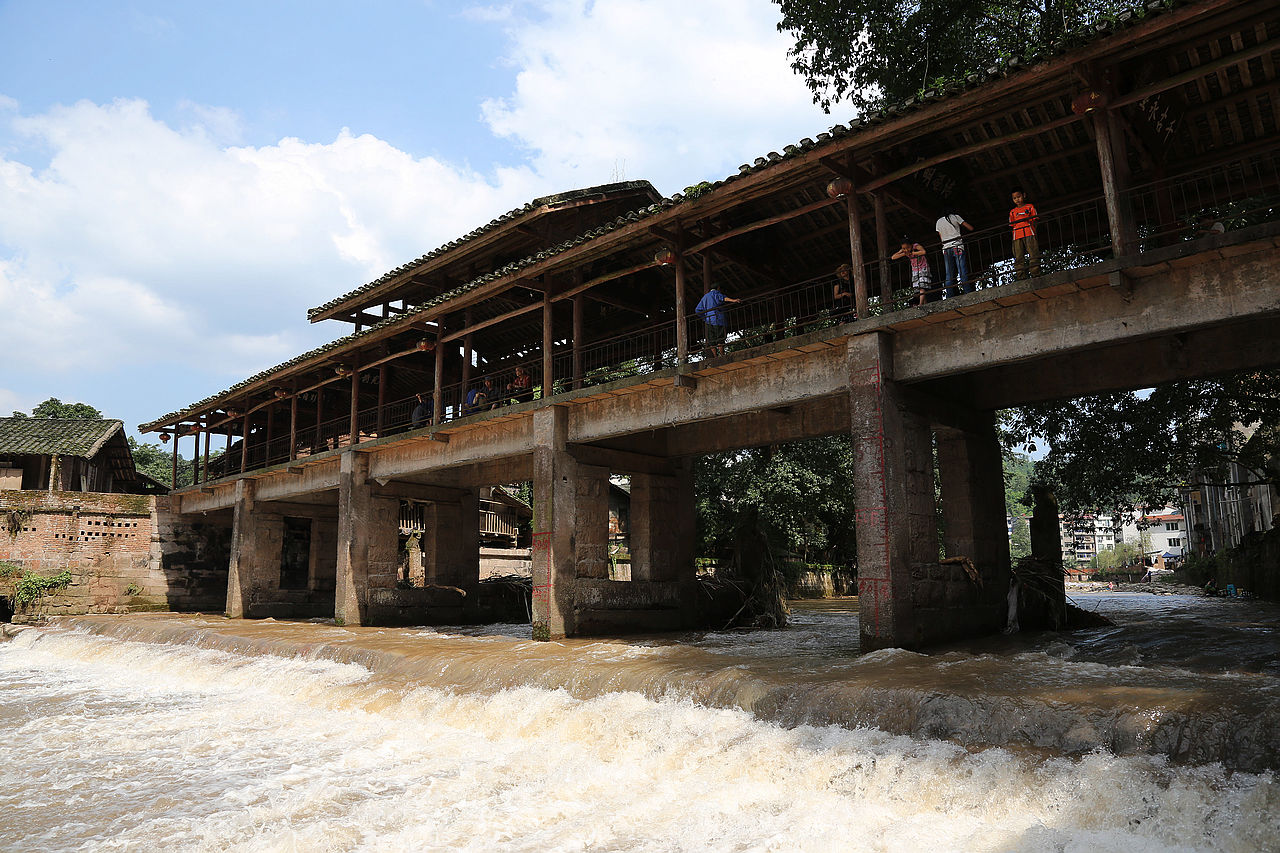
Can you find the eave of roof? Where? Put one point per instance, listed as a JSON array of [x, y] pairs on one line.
[[807, 148], [79, 437], [536, 207]]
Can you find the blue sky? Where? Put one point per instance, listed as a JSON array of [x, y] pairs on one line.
[[179, 182]]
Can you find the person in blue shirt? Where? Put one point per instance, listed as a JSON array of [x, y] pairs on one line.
[[423, 412], [711, 311], [482, 398]]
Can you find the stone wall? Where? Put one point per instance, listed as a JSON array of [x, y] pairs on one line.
[[124, 552]]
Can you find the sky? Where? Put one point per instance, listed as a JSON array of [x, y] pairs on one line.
[[180, 182]]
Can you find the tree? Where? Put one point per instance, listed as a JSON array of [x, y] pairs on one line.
[[801, 492], [873, 52], [157, 463], [1115, 452], [55, 408]]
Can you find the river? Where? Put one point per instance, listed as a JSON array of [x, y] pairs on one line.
[[168, 732]]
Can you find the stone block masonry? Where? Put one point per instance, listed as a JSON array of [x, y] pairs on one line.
[[124, 552]]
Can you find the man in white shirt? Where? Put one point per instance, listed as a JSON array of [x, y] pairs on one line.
[[948, 227]]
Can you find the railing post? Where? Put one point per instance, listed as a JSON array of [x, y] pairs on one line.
[[855, 245]]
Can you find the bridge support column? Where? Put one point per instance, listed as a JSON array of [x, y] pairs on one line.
[[450, 554], [368, 541], [971, 474], [555, 501], [662, 525], [245, 561], [893, 482]]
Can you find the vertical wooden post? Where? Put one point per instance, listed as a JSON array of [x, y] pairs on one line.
[[577, 333], [548, 364], [271, 430], [855, 245], [1116, 216], [382, 396], [682, 322], [437, 414], [706, 272], [315, 442], [174, 483], [244, 442], [353, 424], [195, 458], [467, 341], [293, 423], [882, 247], [208, 436]]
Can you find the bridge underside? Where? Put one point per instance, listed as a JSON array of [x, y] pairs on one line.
[[905, 384]]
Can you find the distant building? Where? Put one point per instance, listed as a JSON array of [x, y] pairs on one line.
[[1221, 511], [1083, 538], [1161, 533], [69, 455]]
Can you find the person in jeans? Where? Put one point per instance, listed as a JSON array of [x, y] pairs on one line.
[[1026, 245], [711, 310], [953, 255]]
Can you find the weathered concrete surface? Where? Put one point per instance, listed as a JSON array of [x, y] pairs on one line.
[[450, 556], [368, 536]]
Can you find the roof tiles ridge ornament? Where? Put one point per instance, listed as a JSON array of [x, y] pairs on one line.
[[838, 131]]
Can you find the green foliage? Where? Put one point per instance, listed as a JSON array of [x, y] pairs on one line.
[[802, 493], [1113, 452], [133, 589], [1120, 554], [55, 408], [31, 588], [1020, 540], [873, 52], [8, 569], [157, 462]]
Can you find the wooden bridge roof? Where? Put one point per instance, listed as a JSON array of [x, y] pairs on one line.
[[1189, 84]]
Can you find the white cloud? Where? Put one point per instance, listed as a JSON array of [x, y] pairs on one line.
[[139, 238], [679, 92]]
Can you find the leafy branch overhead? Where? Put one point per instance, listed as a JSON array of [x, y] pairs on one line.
[[870, 53]]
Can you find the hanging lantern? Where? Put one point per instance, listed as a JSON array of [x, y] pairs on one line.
[[280, 393], [342, 370], [839, 188], [164, 438], [426, 345], [664, 256], [1087, 102]]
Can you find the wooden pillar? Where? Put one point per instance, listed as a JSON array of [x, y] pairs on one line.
[[174, 483], [354, 421], [706, 272], [577, 334], [1117, 215], [855, 244], [195, 457], [437, 413], [548, 363], [293, 424], [682, 322], [882, 248], [244, 445], [208, 436], [315, 442], [467, 341], [382, 397], [271, 429]]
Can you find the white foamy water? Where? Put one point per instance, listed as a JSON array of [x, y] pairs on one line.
[[107, 744]]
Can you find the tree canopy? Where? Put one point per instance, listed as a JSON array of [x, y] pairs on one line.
[[55, 408], [1115, 452], [872, 52]]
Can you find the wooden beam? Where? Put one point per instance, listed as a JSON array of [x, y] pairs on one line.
[[1193, 74], [492, 321], [755, 226]]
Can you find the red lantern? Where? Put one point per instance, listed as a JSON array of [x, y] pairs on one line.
[[839, 188], [1087, 102], [664, 256], [164, 438]]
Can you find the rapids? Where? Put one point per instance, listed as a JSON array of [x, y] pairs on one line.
[[199, 733]]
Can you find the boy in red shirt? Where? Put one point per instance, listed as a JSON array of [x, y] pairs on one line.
[[1022, 219]]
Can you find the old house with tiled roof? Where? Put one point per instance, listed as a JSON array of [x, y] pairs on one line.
[[69, 454]]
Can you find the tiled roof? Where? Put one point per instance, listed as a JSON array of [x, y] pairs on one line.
[[82, 437], [510, 216], [1070, 41]]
